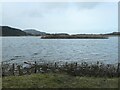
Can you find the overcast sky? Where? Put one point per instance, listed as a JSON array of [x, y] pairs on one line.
[[64, 17]]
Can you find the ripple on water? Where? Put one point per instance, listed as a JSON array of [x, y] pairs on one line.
[[55, 50]]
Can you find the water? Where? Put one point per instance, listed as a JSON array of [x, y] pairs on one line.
[[20, 49]]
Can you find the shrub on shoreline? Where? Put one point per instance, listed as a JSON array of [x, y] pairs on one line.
[[82, 69]]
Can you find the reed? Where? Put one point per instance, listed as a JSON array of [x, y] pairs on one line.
[[75, 69]]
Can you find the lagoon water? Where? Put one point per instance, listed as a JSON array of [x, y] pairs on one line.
[[20, 49]]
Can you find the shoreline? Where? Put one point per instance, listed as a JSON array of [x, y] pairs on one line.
[[75, 69]]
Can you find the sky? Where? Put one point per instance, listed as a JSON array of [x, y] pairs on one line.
[[62, 17]]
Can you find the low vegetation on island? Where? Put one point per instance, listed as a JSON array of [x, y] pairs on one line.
[[76, 36]]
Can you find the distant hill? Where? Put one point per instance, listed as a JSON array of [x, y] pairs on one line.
[[9, 31], [113, 33], [35, 32]]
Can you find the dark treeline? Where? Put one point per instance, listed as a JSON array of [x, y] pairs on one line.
[[82, 69]]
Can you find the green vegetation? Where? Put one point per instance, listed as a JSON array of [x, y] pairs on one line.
[[0, 82], [55, 75], [74, 69], [77, 36], [58, 80]]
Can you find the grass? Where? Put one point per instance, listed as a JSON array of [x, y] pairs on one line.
[[0, 82], [68, 75], [58, 80]]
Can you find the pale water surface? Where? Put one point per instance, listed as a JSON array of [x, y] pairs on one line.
[[20, 49]]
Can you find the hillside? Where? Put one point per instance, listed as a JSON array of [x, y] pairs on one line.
[[34, 32], [9, 31], [114, 33]]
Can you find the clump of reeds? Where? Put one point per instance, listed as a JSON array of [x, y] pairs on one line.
[[75, 69]]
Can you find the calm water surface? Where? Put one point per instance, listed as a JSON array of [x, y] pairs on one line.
[[20, 49]]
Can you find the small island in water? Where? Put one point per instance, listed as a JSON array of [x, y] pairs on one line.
[[76, 36]]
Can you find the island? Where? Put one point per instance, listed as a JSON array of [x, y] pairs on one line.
[[75, 36]]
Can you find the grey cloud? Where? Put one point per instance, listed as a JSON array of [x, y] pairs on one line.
[[43, 8], [49, 7]]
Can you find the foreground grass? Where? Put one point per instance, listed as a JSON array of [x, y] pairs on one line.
[[0, 83], [53, 80]]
